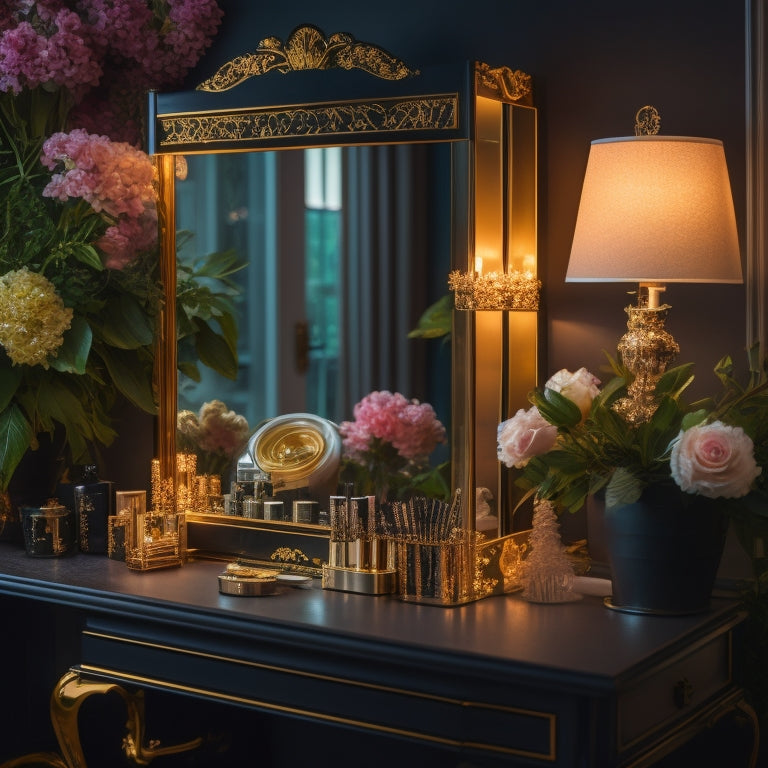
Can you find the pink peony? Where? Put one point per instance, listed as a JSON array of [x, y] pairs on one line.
[[714, 460], [525, 435], [412, 428]]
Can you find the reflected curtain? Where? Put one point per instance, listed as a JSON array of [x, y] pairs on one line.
[[385, 270]]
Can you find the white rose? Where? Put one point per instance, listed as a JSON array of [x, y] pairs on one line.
[[580, 388], [714, 460], [525, 435]]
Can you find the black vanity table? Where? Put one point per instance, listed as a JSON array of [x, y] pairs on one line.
[[496, 682]]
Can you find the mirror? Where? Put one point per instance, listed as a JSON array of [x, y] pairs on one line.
[[338, 91], [324, 233]]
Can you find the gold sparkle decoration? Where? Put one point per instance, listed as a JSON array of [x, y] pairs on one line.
[[495, 290]]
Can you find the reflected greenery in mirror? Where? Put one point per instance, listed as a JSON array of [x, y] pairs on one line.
[[325, 259]]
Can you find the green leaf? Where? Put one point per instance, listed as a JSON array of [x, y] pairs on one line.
[[675, 380], [557, 409], [125, 324], [130, 378], [228, 327], [693, 419], [15, 438], [73, 353], [190, 370], [622, 488], [87, 254], [10, 378], [215, 352], [436, 321]]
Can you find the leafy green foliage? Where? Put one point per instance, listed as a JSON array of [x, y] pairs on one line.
[[603, 450], [436, 321], [205, 310]]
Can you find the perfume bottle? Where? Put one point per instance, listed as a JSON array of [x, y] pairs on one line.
[[92, 501]]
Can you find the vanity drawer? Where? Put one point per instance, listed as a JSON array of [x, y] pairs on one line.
[[673, 690]]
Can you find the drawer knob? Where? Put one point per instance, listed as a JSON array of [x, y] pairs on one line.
[[683, 693]]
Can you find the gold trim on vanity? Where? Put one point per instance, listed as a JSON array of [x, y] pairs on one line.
[[307, 48], [549, 717], [395, 115]]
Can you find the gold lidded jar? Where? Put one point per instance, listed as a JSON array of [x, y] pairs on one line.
[[49, 530]]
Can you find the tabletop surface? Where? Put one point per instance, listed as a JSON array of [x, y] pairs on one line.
[[581, 637]]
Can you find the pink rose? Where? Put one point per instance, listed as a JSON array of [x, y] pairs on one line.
[[714, 460], [580, 388], [525, 435]]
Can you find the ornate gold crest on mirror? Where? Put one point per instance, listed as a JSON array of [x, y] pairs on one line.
[[315, 91]]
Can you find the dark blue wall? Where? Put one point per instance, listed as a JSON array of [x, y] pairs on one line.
[[593, 65]]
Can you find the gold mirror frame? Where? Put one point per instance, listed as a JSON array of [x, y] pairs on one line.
[[486, 114]]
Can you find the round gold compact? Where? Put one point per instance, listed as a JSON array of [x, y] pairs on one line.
[[246, 581]]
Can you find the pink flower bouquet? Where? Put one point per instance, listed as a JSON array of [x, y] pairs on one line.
[[79, 283], [387, 447]]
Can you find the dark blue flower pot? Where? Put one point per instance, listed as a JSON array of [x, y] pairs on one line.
[[664, 551]]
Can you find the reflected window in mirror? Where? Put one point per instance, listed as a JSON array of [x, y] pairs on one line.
[[322, 279], [345, 249]]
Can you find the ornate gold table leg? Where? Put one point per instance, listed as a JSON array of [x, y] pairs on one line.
[[67, 698], [39, 759]]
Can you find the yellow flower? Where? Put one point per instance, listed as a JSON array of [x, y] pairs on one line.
[[33, 317]]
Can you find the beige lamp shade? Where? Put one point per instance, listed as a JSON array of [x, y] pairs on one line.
[[656, 209]]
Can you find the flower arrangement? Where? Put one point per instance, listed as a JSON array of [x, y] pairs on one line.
[[572, 442], [386, 448], [216, 435], [79, 283]]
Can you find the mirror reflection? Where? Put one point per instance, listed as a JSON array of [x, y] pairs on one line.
[[343, 248]]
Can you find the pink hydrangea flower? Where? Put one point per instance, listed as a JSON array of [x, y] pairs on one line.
[[116, 179], [87, 44], [124, 241], [50, 48], [113, 177], [412, 428]]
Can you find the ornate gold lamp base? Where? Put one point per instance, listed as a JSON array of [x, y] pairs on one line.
[[67, 698], [646, 349]]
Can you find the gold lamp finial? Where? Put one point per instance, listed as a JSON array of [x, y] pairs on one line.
[[647, 121]]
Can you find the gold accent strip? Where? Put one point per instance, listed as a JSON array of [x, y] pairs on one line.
[[307, 48], [551, 718], [395, 115], [166, 357]]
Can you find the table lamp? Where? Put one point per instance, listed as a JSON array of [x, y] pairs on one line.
[[654, 210]]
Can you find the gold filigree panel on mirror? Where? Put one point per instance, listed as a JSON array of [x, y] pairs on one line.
[[483, 119]]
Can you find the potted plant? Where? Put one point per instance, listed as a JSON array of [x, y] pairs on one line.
[[671, 482]]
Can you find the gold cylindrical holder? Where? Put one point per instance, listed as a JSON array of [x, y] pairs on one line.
[[442, 573]]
